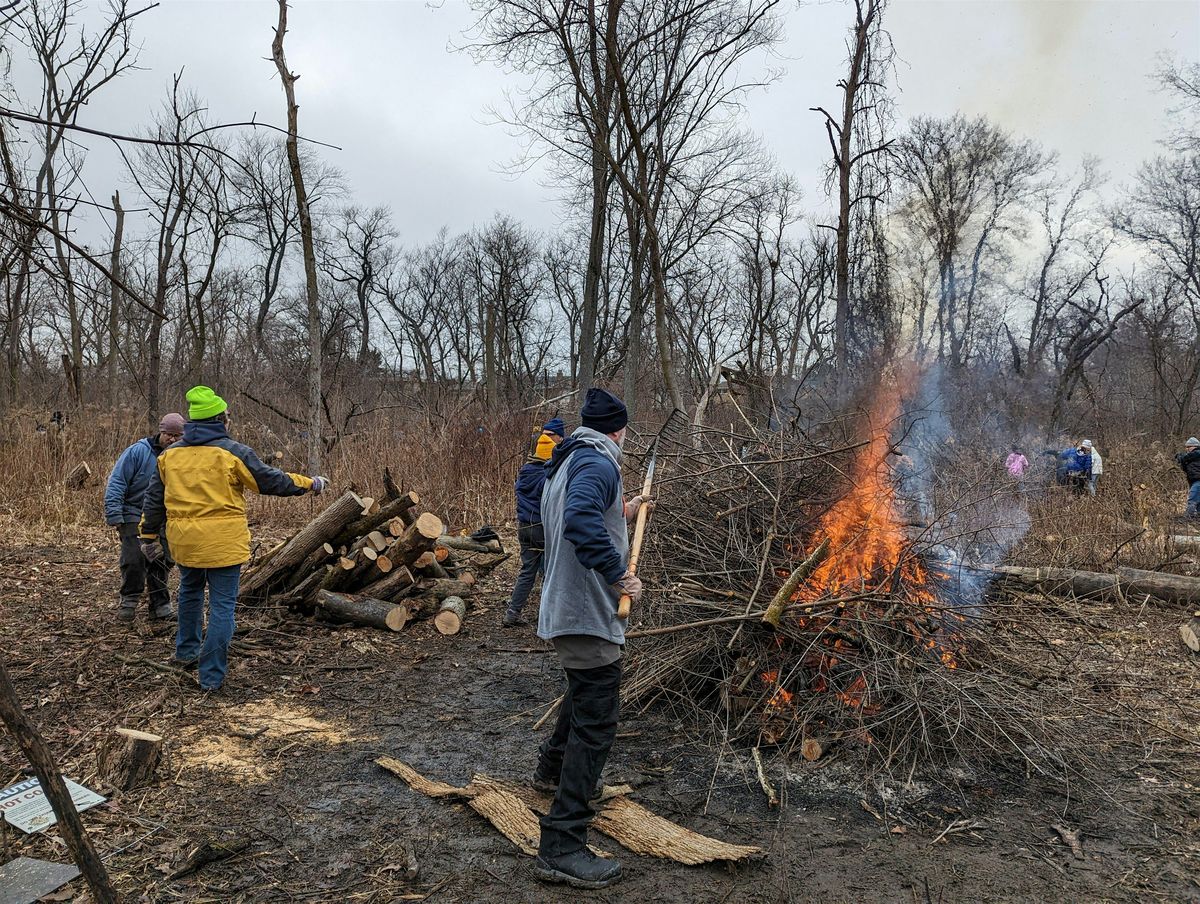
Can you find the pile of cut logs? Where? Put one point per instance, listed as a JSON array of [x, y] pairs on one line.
[[377, 563]]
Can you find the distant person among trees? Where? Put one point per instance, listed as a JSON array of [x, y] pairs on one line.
[[1097, 466], [197, 495], [1016, 464], [530, 480], [1073, 468], [1189, 461], [123, 498]]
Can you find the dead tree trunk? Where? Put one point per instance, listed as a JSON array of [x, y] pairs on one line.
[[114, 309], [83, 852], [313, 306]]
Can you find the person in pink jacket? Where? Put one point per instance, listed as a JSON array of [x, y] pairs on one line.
[[1016, 464]]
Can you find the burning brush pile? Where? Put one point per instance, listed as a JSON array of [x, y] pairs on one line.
[[797, 601]]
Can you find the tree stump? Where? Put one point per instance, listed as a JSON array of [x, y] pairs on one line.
[[1189, 633], [450, 615], [78, 477], [128, 758]]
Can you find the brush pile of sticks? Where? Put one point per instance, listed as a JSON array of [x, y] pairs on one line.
[[737, 630], [375, 562]]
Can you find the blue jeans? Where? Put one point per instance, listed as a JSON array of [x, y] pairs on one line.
[[222, 595], [1193, 503]]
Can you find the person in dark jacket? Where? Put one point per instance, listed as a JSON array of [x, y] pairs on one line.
[[1189, 461], [123, 499], [585, 518], [1073, 468], [530, 480]]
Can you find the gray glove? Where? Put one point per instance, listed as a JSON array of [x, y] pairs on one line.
[[630, 584], [152, 550], [319, 485]]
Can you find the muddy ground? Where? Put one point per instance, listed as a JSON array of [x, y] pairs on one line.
[[285, 761]]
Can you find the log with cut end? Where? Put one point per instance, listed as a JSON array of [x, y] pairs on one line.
[[812, 749], [128, 758], [320, 530], [377, 540], [450, 615], [391, 585], [78, 477], [417, 538], [364, 524], [319, 557], [1189, 632], [466, 544], [360, 609], [441, 588]]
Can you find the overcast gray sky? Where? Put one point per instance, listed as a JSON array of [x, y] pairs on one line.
[[381, 80]]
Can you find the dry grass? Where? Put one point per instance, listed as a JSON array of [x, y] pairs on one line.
[[464, 471]]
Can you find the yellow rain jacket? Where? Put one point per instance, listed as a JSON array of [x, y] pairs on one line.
[[197, 492]]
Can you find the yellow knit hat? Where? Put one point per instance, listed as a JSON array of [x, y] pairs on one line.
[[545, 447]]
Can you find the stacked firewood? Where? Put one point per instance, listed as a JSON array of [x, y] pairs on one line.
[[377, 563]]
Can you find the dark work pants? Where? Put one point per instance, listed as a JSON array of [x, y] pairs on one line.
[[533, 552], [576, 753], [137, 573]]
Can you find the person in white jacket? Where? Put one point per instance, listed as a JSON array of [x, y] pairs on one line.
[[1097, 466]]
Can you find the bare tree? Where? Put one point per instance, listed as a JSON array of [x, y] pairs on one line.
[[856, 136], [312, 298], [967, 182]]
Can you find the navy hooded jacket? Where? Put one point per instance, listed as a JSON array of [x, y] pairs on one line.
[[530, 480], [129, 480], [593, 485]]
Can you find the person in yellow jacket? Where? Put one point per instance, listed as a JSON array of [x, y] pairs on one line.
[[196, 493]]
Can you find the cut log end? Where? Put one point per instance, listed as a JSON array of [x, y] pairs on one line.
[[812, 749], [450, 615]]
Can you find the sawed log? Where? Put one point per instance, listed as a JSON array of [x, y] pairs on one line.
[[328, 523], [359, 609]]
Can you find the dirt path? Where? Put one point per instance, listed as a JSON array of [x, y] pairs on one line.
[[287, 761]]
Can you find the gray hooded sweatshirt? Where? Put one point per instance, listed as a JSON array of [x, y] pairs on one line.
[[583, 499]]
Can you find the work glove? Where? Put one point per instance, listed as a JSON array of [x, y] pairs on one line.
[[319, 485], [152, 550], [631, 585], [632, 506]]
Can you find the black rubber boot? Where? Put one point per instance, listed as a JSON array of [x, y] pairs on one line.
[[128, 610], [579, 869], [514, 620]]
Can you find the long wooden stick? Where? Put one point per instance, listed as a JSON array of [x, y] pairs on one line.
[[639, 532]]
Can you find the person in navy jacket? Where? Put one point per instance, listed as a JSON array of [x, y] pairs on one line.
[[530, 480], [123, 499]]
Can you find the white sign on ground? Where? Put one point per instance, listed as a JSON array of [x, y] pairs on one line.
[[25, 806]]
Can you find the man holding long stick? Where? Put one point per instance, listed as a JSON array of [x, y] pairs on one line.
[[586, 572]]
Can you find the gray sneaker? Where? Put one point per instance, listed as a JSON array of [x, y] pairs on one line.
[[514, 620]]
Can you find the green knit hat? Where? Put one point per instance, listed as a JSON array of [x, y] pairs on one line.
[[203, 403]]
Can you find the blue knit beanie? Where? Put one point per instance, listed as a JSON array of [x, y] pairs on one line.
[[556, 426], [603, 412]]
